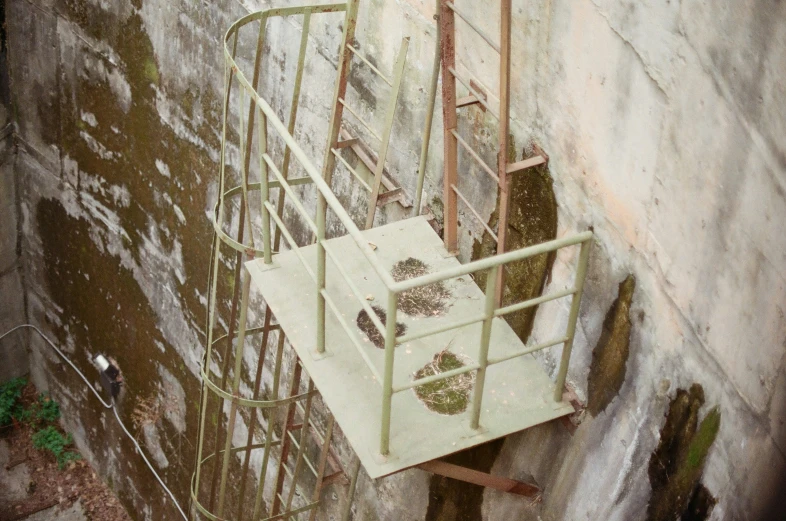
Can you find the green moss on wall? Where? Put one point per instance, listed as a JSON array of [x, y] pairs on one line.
[[532, 219], [677, 464], [610, 356]]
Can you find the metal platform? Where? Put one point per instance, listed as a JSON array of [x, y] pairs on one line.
[[518, 394]]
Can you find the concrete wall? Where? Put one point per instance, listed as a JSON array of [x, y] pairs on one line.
[[663, 122], [13, 348]]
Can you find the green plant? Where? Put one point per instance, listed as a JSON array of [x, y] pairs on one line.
[[10, 408], [50, 439], [46, 409]]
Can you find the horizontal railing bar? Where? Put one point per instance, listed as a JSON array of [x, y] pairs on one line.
[[477, 29], [352, 336], [474, 92], [533, 302], [486, 168], [292, 244], [364, 60], [440, 329], [351, 170], [355, 291], [291, 193], [357, 116], [524, 164], [527, 351], [489, 262], [437, 377], [281, 12], [475, 213]]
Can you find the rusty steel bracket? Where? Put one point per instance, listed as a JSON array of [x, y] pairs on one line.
[[483, 479]]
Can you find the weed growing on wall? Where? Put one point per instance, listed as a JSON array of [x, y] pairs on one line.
[[52, 440]]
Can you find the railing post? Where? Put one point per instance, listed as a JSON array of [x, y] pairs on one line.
[[321, 215], [485, 340], [264, 187], [581, 272], [387, 385]]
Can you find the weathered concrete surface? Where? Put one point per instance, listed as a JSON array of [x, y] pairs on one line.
[[664, 124], [13, 348]]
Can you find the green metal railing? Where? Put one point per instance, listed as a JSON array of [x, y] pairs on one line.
[[271, 176], [328, 200], [229, 330]]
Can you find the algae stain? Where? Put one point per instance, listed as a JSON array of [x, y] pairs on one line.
[[451, 395], [677, 464], [151, 71], [532, 219], [610, 356]]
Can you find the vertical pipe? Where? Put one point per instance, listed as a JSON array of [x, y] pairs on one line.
[[449, 122], [389, 116], [285, 441], [228, 74], [353, 483], [321, 214], [264, 188], [305, 425], [504, 133], [387, 386], [323, 458], [252, 424], [432, 95], [271, 426], [241, 338], [581, 274], [350, 21], [293, 115], [485, 340]]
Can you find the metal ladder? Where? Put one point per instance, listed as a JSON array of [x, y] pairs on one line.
[[339, 137], [452, 139]]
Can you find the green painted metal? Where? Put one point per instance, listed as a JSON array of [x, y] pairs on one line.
[[483, 355], [387, 385], [581, 275], [234, 240], [391, 113], [432, 96]]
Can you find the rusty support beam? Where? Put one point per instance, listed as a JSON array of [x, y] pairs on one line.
[[482, 479]]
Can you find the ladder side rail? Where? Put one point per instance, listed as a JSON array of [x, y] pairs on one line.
[[450, 122], [391, 113], [504, 133], [293, 109]]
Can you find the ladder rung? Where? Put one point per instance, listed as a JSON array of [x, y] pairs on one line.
[[347, 142], [364, 60], [477, 29], [467, 101], [526, 163], [352, 170], [486, 168], [357, 116], [305, 458], [389, 197], [474, 212], [474, 92]]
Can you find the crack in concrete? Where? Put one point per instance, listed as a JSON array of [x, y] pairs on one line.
[[646, 67]]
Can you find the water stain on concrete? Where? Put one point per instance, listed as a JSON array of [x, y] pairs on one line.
[[610, 356]]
